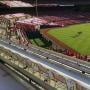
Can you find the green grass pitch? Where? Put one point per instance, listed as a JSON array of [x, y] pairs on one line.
[[75, 36]]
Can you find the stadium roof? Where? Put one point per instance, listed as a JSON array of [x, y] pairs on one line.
[[59, 2], [16, 3]]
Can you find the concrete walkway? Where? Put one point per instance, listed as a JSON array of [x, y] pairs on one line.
[[7, 82]]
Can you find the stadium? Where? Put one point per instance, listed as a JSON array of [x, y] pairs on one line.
[[73, 19], [62, 26], [47, 42]]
